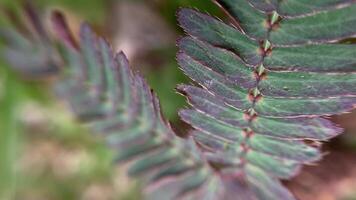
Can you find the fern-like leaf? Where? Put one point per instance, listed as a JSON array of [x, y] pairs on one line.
[[114, 102], [268, 82], [29, 50]]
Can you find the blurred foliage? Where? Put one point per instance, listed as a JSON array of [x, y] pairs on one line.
[[353, 197], [57, 131], [13, 93], [93, 11], [67, 161], [8, 135]]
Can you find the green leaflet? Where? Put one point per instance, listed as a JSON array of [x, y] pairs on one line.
[[313, 58], [303, 7], [132, 149], [300, 107], [289, 84], [265, 187], [265, 5], [298, 128], [143, 122], [182, 186], [256, 185], [150, 162], [219, 34], [321, 27], [93, 66], [173, 169], [252, 21], [293, 8]]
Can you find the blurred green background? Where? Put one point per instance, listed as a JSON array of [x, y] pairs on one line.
[[45, 154]]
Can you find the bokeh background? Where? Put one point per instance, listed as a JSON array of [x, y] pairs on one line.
[[46, 155]]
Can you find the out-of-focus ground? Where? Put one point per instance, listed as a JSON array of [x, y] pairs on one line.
[[45, 154]]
